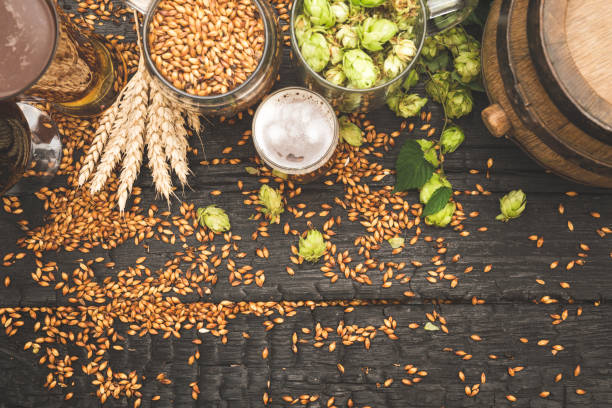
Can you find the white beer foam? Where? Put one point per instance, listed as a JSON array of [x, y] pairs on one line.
[[294, 129]]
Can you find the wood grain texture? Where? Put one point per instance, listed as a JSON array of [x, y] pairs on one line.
[[576, 40]]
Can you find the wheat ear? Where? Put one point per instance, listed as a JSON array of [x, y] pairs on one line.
[[155, 144], [103, 132], [176, 146], [117, 141], [137, 117]]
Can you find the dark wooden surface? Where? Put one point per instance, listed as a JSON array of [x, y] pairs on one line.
[[235, 375]]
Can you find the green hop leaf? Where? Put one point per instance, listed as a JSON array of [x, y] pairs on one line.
[[412, 169], [359, 68], [320, 12], [396, 242], [214, 218], [315, 51], [443, 217], [512, 205], [272, 200], [411, 80], [438, 201], [368, 3], [435, 182], [451, 139], [458, 103], [429, 151], [374, 32], [313, 246], [350, 133]]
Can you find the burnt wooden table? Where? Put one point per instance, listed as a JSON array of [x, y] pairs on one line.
[[517, 300]]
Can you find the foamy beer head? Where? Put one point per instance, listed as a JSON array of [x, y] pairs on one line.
[[295, 131]]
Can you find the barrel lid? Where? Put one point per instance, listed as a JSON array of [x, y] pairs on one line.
[[576, 40]]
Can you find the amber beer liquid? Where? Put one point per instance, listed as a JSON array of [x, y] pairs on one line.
[[296, 131], [44, 57]]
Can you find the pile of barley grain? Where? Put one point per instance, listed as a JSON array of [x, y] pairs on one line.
[[206, 47]]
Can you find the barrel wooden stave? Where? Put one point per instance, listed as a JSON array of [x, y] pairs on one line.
[[535, 122]]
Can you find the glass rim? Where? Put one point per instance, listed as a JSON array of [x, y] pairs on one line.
[[296, 50], [210, 98], [303, 170], [51, 55]]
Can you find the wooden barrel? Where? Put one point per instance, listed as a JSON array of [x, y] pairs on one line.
[[547, 70]]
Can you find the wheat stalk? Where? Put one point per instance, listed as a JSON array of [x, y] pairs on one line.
[[136, 117], [155, 145]]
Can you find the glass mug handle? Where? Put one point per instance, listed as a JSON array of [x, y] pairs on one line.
[[444, 14]]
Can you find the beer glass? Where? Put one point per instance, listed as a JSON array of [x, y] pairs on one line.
[[44, 58]]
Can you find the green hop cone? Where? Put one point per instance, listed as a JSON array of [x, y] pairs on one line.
[[315, 51], [410, 105], [336, 54], [374, 32], [350, 133], [335, 75], [429, 151], [443, 217], [405, 49], [348, 36], [320, 12], [214, 218], [313, 246], [406, 23], [411, 80], [472, 45], [451, 139], [435, 182], [512, 205], [438, 86], [272, 200], [301, 28], [430, 48], [341, 11], [393, 101], [359, 68], [368, 3], [454, 37], [467, 65], [393, 66], [458, 103]]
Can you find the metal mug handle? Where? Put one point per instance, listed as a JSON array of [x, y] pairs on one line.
[[444, 14], [139, 5]]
